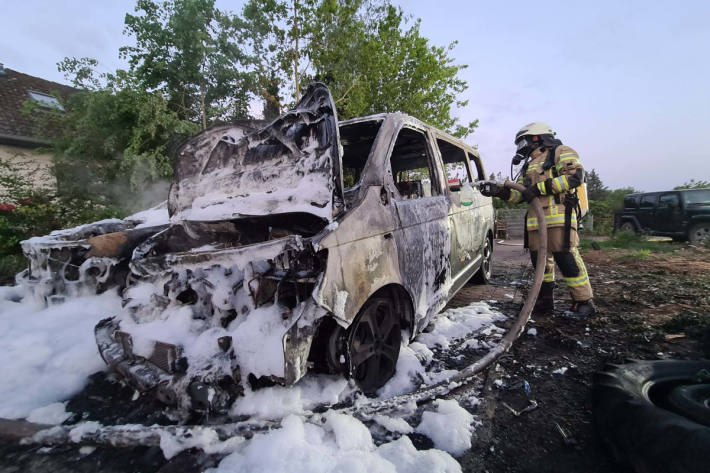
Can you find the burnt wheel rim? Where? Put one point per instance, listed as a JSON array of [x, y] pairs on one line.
[[486, 265], [374, 345]]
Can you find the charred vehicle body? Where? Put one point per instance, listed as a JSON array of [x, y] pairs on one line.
[[87, 259], [308, 244]]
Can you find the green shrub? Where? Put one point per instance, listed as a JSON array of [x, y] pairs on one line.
[[641, 254], [40, 214], [10, 265], [26, 211]]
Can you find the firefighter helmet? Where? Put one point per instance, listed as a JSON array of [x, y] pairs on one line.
[[533, 129]]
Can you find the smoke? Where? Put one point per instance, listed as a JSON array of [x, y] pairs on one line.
[[132, 200]]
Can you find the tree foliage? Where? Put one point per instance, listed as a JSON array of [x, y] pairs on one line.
[[693, 184], [381, 64], [192, 64], [114, 143], [262, 34], [596, 190], [371, 57], [188, 51]]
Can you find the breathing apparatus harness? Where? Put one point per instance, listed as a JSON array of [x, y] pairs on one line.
[[550, 143]]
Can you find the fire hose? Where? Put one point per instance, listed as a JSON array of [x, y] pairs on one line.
[[139, 435]]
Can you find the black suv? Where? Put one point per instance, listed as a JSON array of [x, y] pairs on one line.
[[683, 214]]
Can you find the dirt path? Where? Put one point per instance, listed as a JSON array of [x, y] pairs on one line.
[[650, 308]]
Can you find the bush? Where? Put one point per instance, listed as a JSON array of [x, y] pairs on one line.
[[603, 210], [603, 213], [10, 265], [40, 213], [26, 212]]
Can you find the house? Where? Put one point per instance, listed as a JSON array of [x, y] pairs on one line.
[[23, 142]]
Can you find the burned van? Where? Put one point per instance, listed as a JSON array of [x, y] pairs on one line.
[[310, 244]]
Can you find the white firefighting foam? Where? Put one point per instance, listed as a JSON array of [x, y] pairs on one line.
[[49, 352], [46, 354]]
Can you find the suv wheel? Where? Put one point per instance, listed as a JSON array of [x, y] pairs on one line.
[[627, 227], [483, 275], [374, 340], [699, 233]]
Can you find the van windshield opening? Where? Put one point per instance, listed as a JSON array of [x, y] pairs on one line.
[[357, 140]]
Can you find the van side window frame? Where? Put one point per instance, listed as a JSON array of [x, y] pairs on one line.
[[479, 165], [434, 177], [442, 161]]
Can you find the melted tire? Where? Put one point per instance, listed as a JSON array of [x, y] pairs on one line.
[[692, 402], [636, 419]]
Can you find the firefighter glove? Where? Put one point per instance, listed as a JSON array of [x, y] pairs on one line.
[[491, 189], [530, 193]]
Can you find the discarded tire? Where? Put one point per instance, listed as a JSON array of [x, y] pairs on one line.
[[654, 415]]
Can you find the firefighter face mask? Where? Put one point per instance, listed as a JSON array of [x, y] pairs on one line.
[[525, 147]]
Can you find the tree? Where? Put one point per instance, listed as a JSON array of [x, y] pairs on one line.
[[188, 51], [262, 34], [365, 52], [81, 72], [374, 62], [596, 190], [693, 184], [111, 145]]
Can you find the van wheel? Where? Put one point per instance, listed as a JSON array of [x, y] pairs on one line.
[[483, 275], [627, 227], [699, 233], [374, 340]]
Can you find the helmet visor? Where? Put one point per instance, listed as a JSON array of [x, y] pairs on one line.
[[522, 143]]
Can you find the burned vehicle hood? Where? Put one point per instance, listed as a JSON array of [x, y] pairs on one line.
[[293, 165]]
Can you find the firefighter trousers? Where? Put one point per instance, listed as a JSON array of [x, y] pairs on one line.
[[574, 273]]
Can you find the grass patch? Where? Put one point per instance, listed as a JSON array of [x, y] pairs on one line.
[[641, 247], [641, 254], [9, 266]]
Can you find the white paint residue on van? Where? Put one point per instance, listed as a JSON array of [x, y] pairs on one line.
[[341, 297]]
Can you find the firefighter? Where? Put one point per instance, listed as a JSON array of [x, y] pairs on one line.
[[551, 173]]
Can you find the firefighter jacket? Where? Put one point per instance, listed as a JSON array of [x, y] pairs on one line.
[[554, 179]]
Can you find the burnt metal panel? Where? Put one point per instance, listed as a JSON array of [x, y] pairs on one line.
[[292, 165]]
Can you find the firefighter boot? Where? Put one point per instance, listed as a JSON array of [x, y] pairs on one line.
[[581, 310], [545, 303]]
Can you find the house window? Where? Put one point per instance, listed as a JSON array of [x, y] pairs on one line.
[[44, 100]]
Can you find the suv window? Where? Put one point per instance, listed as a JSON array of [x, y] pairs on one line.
[[648, 201], [669, 200], [357, 140], [411, 166], [455, 164], [701, 196], [631, 202]]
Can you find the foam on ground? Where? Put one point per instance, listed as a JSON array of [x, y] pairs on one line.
[[47, 354]]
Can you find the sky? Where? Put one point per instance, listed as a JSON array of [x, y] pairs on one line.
[[625, 83]]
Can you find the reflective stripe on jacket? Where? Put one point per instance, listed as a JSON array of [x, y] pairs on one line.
[[569, 169]]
